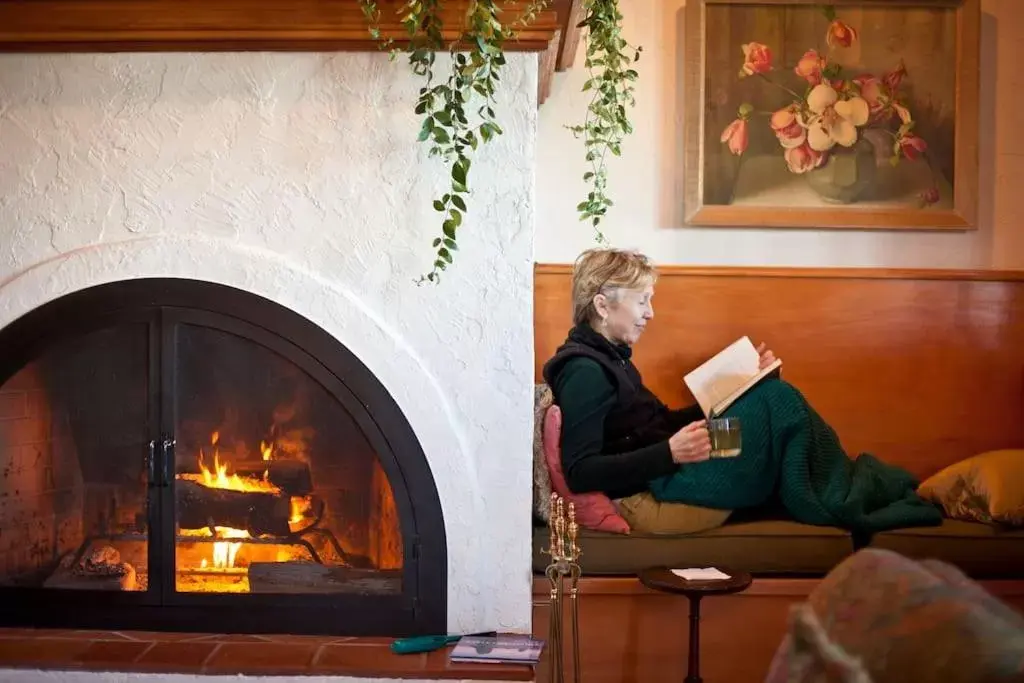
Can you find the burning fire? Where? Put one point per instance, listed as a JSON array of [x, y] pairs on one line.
[[219, 477]]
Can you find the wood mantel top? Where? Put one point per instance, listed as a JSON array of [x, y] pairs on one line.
[[241, 25]]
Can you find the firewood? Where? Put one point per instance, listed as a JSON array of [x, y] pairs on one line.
[[257, 512], [312, 577]]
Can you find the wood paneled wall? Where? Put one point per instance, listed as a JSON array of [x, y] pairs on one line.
[[921, 368]]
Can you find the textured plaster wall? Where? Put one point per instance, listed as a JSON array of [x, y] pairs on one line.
[[298, 177]]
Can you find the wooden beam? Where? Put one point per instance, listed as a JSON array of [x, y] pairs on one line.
[[189, 25], [570, 14], [546, 66]]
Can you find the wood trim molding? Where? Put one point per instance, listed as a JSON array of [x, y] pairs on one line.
[[975, 275], [186, 25]]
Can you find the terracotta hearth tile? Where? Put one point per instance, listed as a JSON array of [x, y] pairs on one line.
[[176, 657], [165, 636], [296, 638], [112, 652], [22, 652], [39, 633], [262, 658], [229, 638], [366, 660], [103, 635], [440, 666]]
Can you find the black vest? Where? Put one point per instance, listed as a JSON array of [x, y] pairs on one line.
[[638, 418]]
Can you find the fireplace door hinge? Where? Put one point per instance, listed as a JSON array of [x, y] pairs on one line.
[[167, 451]]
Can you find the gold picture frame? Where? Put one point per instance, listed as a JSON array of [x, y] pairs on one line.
[[754, 58]]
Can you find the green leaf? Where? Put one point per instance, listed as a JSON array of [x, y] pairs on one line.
[[459, 173], [438, 205], [459, 203]]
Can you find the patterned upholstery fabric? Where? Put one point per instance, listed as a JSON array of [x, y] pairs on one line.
[[891, 618]]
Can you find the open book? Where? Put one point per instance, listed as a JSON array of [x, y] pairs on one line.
[[717, 383]]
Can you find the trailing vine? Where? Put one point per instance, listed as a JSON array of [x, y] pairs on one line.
[[457, 110], [612, 81]]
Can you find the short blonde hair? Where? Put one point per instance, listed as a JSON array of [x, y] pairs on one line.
[[607, 271]]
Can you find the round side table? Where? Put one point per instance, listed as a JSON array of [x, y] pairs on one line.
[[662, 579]]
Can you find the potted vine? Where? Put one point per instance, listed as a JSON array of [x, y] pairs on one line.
[[456, 107]]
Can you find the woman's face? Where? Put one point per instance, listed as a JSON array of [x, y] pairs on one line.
[[625, 314]]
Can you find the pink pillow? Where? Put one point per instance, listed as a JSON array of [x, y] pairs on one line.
[[593, 510]]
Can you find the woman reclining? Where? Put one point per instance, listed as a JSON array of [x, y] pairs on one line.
[[618, 438]]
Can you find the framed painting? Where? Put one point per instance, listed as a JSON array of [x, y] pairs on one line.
[[852, 114]]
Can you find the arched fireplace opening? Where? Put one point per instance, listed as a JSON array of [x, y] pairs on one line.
[[178, 454]]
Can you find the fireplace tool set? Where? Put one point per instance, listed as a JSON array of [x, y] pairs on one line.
[[565, 553]]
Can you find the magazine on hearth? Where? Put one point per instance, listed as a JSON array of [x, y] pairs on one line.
[[505, 648], [717, 383]]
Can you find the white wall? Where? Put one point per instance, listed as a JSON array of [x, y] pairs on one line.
[[643, 181], [298, 177]]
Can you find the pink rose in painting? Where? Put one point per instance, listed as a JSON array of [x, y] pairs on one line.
[[929, 196], [893, 79], [757, 59], [840, 34], [912, 146], [802, 159], [810, 67], [736, 135], [871, 92], [786, 124]]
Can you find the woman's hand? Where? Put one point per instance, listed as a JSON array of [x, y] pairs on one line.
[[691, 443], [767, 357]]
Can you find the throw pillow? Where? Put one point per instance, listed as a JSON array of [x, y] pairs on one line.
[[593, 510], [645, 514], [988, 487], [542, 400]]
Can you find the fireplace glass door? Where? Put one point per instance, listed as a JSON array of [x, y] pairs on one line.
[[74, 424], [277, 489]]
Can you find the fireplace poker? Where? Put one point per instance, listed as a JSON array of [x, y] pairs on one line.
[[408, 646]]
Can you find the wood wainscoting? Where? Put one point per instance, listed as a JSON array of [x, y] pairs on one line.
[[921, 368], [629, 634]]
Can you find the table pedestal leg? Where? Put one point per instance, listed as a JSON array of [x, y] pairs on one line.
[[693, 665]]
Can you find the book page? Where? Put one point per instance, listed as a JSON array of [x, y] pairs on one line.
[[717, 379]]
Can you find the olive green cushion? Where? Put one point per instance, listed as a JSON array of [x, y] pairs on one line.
[[979, 550], [759, 547]]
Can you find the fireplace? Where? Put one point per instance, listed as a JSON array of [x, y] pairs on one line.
[[178, 454]]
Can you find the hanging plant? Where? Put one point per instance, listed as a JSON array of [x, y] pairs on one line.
[[457, 108], [609, 60]]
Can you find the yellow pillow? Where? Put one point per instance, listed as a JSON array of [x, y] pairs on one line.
[[986, 488]]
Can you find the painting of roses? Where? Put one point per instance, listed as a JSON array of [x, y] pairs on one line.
[[845, 114]]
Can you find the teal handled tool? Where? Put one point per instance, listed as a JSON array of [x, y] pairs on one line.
[[408, 646]]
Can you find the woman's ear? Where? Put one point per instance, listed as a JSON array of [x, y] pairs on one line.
[[601, 305]]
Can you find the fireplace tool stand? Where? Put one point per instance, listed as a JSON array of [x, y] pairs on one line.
[[565, 553]]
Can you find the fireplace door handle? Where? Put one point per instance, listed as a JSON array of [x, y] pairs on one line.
[[167, 450], [151, 465]]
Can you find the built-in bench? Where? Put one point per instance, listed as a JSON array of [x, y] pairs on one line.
[[920, 368]]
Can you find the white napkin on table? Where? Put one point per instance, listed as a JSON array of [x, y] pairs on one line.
[[701, 574]]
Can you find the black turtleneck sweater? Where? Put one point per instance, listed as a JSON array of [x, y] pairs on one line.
[[614, 430]]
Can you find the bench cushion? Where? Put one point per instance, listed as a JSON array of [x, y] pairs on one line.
[[769, 547], [980, 550]]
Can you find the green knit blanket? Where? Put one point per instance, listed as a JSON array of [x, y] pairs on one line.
[[791, 455]]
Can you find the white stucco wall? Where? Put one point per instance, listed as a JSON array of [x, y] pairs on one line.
[[298, 177]]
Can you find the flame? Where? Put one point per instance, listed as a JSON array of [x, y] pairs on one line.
[[220, 477]]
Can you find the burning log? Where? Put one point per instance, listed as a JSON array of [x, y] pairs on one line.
[[291, 476], [312, 577], [258, 512]]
